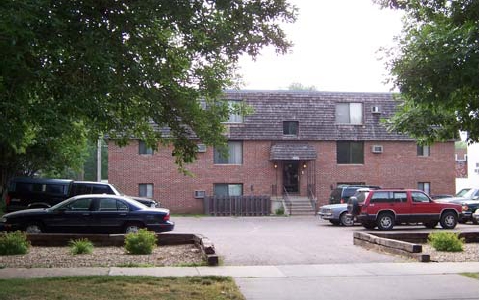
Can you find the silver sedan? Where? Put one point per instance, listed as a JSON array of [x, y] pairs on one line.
[[337, 214]]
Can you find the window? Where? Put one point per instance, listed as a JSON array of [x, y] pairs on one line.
[[107, 204], [349, 152], [424, 186], [145, 190], [349, 113], [290, 127], [225, 189], [419, 197], [80, 204], [423, 150], [144, 149], [234, 118], [234, 154]]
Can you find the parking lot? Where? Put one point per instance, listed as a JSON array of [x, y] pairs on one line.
[[285, 240]]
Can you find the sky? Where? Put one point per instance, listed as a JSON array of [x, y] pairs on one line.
[[335, 48]]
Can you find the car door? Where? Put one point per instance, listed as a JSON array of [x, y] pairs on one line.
[[109, 215], [424, 209], [72, 218]]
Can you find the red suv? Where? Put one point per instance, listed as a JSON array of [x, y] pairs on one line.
[[386, 207]]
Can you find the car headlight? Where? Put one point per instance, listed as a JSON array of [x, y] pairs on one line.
[[3, 220]]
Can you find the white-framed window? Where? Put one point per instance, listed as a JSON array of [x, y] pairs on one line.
[[145, 190], [423, 150], [349, 113], [424, 186], [144, 149], [290, 128], [234, 118], [234, 155], [228, 189]]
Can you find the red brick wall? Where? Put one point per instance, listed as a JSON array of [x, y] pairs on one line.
[[397, 166]]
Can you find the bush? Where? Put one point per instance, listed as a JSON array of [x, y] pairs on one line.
[[14, 243], [446, 241], [141, 242], [81, 246], [280, 211]]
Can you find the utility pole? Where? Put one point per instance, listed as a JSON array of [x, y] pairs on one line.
[[99, 160]]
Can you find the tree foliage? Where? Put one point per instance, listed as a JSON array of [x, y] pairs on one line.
[[435, 67], [297, 86], [117, 67]]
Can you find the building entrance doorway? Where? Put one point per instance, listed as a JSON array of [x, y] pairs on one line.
[[291, 180]]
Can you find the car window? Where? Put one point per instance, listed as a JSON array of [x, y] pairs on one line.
[[361, 196], [349, 192], [419, 197], [107, 204], [122, 206], [79, 204], [101, 189], [400, 196], [381, 197]]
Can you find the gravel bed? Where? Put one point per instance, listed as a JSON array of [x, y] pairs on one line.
[[470, 253], [60, 257]]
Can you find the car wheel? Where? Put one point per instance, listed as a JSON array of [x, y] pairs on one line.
[[448, 220], [385, 221], [33, 228], [474, 222], [431, 225], [346, 220], [132, 228]]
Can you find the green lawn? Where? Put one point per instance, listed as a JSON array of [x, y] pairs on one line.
[[121, 287]]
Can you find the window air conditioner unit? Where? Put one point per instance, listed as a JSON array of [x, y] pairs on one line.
[[199, 194], [377, 149], [201, 148], [375, 109]]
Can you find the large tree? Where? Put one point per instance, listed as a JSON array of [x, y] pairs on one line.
[[435, 68], [117, 67]]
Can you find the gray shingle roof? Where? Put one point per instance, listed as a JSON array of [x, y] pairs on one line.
[[287, 151], [315, 113]]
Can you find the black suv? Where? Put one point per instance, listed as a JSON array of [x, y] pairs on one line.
[[24, 193], [341, 193]]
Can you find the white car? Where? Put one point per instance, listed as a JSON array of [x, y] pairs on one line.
[[475, 215], [337, 214]]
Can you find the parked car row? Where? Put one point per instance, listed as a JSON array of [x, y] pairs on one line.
[[67, 206], [384, 208], [96, 213], [24, 193]]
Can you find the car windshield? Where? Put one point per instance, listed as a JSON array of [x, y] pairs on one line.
[[461, 192], [471, 194]]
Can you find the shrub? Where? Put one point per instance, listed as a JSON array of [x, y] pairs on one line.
[[280, 211], [446, 241], [141, 242], [81, 246], [14, 243]]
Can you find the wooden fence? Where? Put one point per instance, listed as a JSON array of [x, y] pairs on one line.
[[237, 205]]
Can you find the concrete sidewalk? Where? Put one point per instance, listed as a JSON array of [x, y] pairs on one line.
[[283, 271], [325, 281]]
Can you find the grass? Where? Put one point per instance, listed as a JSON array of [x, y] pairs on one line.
[[471, 275], [120, 287]]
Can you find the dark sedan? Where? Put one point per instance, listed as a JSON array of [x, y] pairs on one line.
[[92, 214]]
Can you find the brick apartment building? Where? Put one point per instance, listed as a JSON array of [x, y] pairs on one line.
[[304, 143]]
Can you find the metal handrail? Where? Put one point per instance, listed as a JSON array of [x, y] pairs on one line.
[[286, 200], [311, 197]]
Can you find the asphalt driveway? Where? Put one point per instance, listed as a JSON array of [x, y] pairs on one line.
[[247, 241]]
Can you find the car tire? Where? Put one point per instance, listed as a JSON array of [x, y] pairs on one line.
[[474, 222], [385, 221], [346, 220], [132, 228], [431, 225], [449, 220], [33, 228]]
